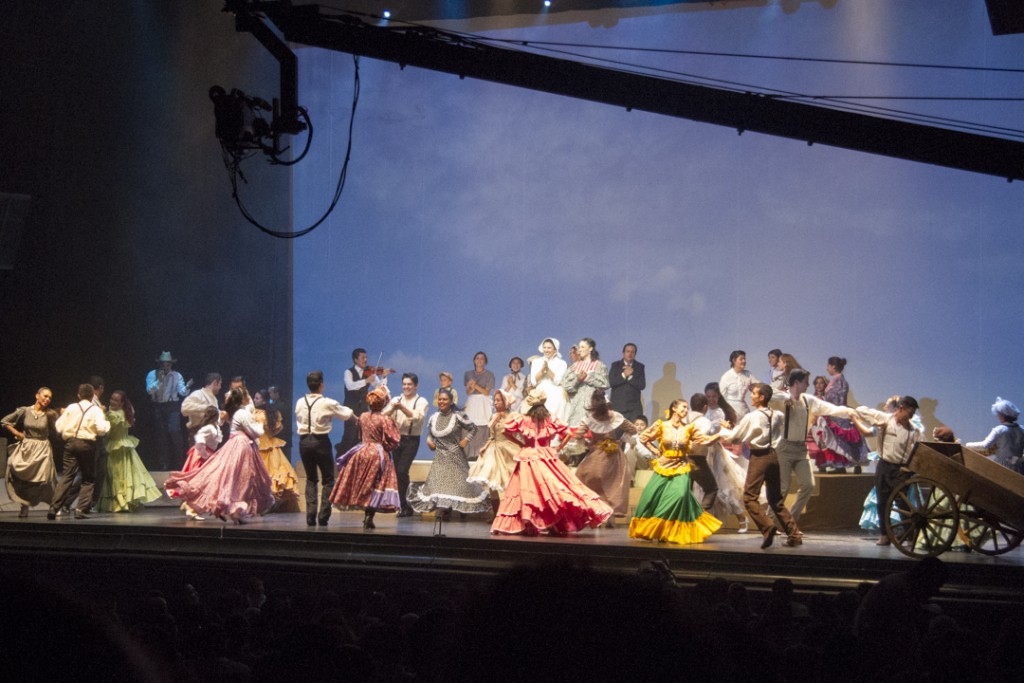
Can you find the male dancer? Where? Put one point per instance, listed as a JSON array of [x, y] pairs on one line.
[[80, 425], [800, 410], [409, 411], [762, 428], [313, 415], [896, 440], [195, 404]]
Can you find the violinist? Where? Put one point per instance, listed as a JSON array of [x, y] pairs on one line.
[[359, 381]]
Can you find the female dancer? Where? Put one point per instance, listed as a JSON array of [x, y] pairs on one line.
[[497, 458], [282, 474], [479, 383], [736, 382], [668, 510], [128, 484], [446, 488], [603, 468], [546, 372], [729, 474], [206, 439], [515, 383], [542, 494], [233, 483], [838, 439], [786, 363], [586, 376], [366, 473], [30, 476]]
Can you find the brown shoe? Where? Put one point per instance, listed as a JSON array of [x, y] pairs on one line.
[[794, 540], [769, 536]]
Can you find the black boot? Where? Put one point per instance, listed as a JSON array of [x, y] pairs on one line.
[[368, 519]]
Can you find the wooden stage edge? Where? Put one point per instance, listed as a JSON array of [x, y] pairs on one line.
[[827, 562]]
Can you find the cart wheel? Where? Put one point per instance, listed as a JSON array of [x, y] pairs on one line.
[[985, 533], [923, 518]]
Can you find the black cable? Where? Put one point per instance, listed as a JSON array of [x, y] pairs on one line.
[[235, 171], [309, 141]]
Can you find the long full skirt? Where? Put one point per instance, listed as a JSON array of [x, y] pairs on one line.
[[603, 470], [232, 483], [284, 481], [446, 486], [31, 477], [366, 479], [495, 466], [544, 496], [668, 510], [128, 485]]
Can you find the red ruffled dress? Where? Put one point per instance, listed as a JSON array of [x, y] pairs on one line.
[[543, 495], [367, 477]]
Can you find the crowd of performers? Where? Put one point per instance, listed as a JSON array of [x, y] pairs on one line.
[[506, 453]]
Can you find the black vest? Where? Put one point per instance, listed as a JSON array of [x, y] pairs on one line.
[[356, 400]]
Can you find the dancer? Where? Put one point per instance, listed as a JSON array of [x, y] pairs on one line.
[[1005, 443], [728, 470], [586, 376], [543, 495], [800, 410], [786, 364], [80, 425], [207, 437], [515, 383], [736, 382], [667, 510], [30, 476], [446, 488], [479, 383], [546, 372], [366, 473], [409, 411], [700, 467], [193, 408], [763, 429], [282, 474], [128, 484], [313, 415], [497, 457], [898, 437], [233, 484], [603, 469]]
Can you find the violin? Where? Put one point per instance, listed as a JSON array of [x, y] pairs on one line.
[[380, 371]]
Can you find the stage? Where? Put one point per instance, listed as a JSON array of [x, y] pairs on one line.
[[407, 549]]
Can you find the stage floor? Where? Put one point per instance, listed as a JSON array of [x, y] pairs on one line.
[[827, 561]]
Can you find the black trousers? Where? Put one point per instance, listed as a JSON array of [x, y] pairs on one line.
[[79, 458], [701, 473], [403, 457], [887, 478], [318, 461]]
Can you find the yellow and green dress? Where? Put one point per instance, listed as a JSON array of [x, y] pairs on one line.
[[668, 510]]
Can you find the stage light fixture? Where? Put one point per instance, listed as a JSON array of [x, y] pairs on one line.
[[387, 14], [547, 3]]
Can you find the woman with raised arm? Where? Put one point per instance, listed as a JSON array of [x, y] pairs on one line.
[[668, 510], [128, 486]]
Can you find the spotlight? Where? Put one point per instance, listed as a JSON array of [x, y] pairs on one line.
[[387, 14], [547, 3]]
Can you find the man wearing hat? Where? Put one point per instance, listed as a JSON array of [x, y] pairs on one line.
[[166, 388], [1005, 443]]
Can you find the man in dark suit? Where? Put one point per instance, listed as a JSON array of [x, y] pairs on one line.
[[627, 381]]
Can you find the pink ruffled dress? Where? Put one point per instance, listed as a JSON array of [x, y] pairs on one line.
[[542, 494]]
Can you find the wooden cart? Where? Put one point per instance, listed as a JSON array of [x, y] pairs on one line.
[[954, 492]]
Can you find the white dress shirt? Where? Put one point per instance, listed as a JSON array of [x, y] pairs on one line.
[[408, 426], [317, 411], [196, 403], [82, 420]]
